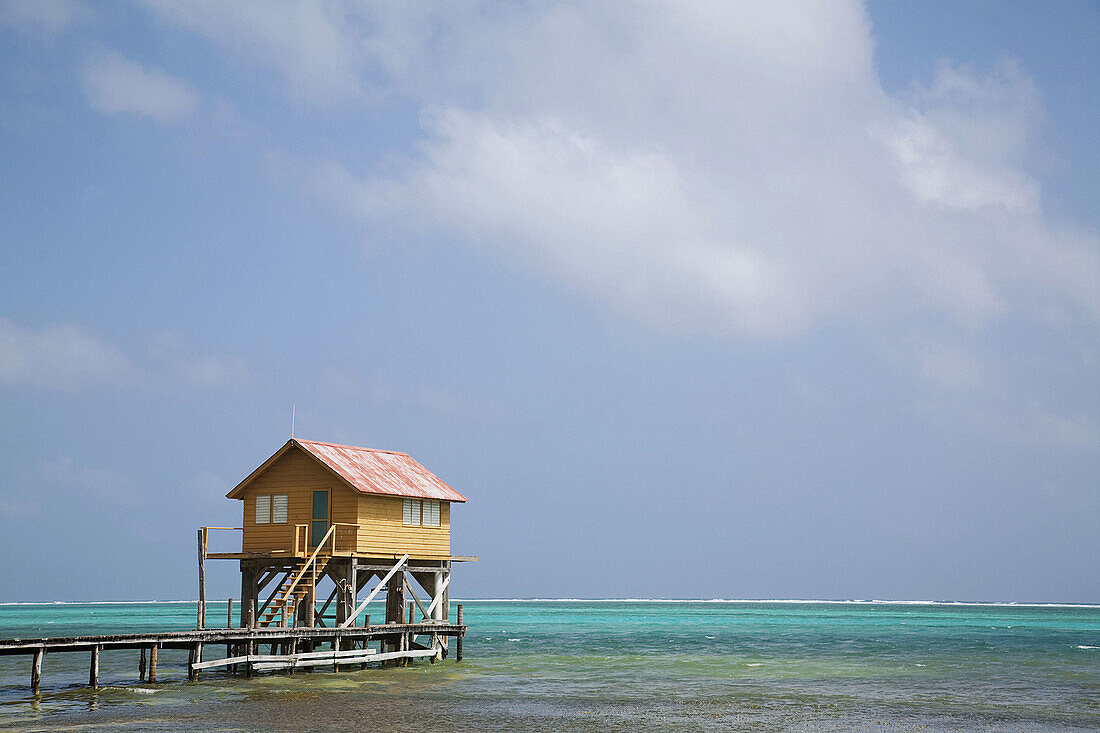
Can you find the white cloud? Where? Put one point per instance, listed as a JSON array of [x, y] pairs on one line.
[[722, 168], [725, 167], [709, 167], [114, 84], [60, 357], [305, 42], [69, 358]]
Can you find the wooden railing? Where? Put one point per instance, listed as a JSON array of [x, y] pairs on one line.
[[204, 536], [302, 544], [343, 539], [330, 535]]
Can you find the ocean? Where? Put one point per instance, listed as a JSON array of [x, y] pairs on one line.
[[608, 665]]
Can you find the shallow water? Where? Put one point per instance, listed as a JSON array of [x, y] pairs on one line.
[[609, 665]]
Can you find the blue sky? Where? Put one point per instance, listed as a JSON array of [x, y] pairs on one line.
[[792, 300]]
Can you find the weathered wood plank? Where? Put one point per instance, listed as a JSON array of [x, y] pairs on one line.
[[439, 594], [358, 657], [381, 584], [324, 657], [425, 613]]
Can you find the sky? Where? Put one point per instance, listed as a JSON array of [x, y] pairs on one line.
[[691, 300]]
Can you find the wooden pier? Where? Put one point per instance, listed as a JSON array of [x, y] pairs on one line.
[[317, 518], [288, 648]]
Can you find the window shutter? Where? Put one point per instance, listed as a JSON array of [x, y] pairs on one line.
[[411, 512], [431, 513], [278, 509], [263, 508]]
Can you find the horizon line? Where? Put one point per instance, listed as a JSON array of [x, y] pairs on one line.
[[804, 601]]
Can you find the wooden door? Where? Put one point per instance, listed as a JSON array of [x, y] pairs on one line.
[[318, 525]]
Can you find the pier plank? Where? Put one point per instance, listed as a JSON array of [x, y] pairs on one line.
[[395, 636], [186, 639]]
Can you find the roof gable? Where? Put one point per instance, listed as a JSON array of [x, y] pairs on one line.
[[366, 470]]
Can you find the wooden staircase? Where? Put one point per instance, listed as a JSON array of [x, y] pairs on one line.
[[288, 595], [299, 583]]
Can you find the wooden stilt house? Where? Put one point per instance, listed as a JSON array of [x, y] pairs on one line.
[[321, 514]]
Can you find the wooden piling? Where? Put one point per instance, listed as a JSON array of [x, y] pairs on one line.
[[93, 670], [36, 671], [202, 580], [229, 625], [193, 658], [366, 623], [458, 640], [153, 663], [141, 666], [250, 647], [409, 636]]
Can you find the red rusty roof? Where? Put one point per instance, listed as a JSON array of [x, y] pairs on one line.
[[369, 471]]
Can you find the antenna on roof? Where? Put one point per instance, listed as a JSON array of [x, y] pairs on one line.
[[292, 421]]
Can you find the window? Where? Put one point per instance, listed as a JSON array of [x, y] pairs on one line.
[[410, 512], [263, 509], [415, 512], [431, 513], [278, 509]]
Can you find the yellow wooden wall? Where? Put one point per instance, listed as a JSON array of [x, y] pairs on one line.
[[381, 531], [297, 475]]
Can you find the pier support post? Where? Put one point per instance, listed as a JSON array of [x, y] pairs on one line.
[[366, 641], [141, 666], [93, 670], [195, 657], [395, 608], [311, 606], [229, 625], [250, 646], [249, 587], [458, 639], [153, 663], [201, 622], [437, 595], [343, 574], [36, 671]]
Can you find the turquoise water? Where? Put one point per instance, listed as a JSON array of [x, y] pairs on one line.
[[610, 665]]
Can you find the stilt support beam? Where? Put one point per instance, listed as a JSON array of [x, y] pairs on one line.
[[458, 641], [93, 670], [36, 671]]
